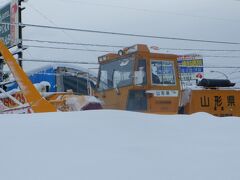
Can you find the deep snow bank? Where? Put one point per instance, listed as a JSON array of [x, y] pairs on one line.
[[118, 145]]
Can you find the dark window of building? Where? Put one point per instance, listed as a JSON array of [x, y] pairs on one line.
[[76, 84]]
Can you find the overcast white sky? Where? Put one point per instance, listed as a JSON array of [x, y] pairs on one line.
[[203, 19]]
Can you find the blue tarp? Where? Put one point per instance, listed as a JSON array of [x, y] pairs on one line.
[[48, 75]]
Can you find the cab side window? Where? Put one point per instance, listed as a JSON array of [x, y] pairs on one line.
[[140, 75], [163, 73]]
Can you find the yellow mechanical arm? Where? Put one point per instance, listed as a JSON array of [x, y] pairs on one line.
[[34, 98]]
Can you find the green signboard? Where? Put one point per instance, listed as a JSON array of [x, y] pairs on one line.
[[9, 23]]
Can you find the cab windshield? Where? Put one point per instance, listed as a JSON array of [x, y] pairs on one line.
[[163, 73], [116, 74]]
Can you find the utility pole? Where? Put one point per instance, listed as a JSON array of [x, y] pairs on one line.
[[20, 46], [1, 70]]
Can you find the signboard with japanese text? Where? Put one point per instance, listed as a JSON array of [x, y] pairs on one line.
[[9, 30], [217, 102], [190, 68]]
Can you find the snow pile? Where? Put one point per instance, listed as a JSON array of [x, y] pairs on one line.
[[118, 145], [43, 86]]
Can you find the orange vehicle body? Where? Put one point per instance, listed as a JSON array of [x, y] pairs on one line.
[[127, 81], [219, 102], [57, 100]]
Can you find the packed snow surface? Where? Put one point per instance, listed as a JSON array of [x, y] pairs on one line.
[[118, 145]]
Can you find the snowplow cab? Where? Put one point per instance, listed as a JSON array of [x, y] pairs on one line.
[[138, 80]]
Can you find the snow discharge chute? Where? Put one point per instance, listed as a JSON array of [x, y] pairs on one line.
[[35, 100]]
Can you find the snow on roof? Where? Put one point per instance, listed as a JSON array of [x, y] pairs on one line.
[[56, 65]]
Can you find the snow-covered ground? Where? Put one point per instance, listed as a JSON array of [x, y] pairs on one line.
[[118, 145]]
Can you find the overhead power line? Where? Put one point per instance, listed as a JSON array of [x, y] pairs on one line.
[[59, 61], [107, 51], [221, 56], [130, 34], [51, 21], [192, 49], [73, 43], [95, 63], [126, 34], [149, 10], [65, 48], [122, 46]]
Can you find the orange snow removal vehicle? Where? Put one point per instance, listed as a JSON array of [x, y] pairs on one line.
[[29, 99], [136, 79]]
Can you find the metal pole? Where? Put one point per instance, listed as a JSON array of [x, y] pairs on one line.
[[20, 54], [1, 70]]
